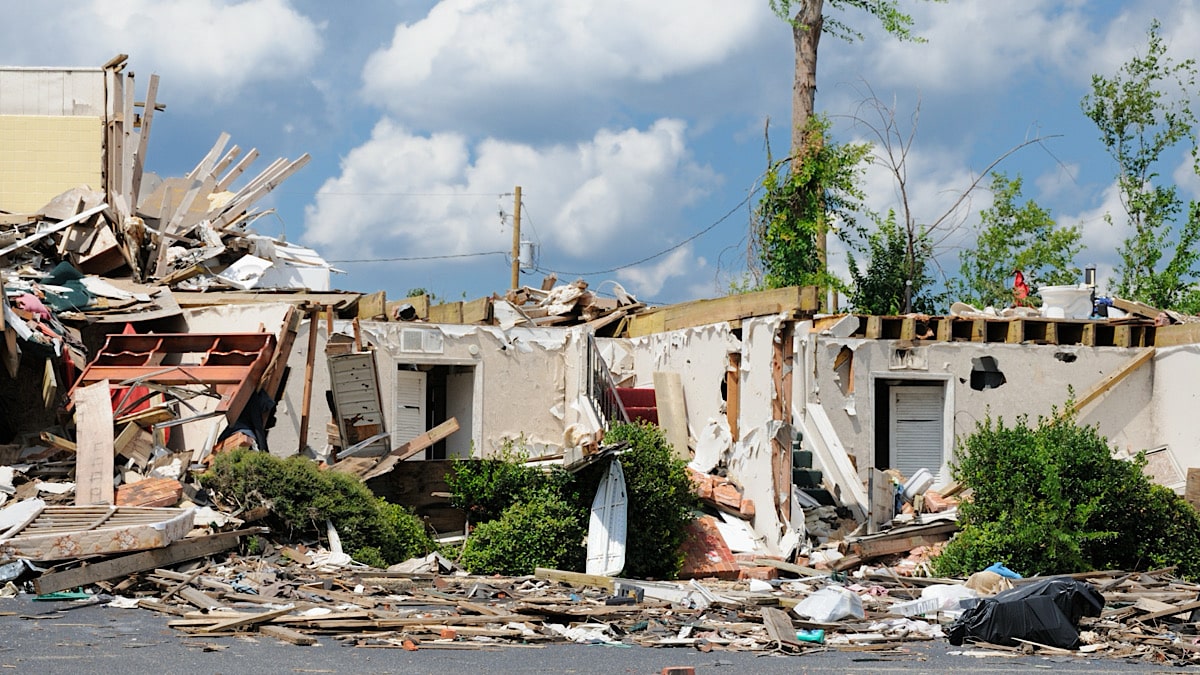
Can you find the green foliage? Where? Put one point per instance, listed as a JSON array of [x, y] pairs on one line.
[[1143, 112], [661, 501], [895, 22], [528, 517], [302, 497], [803, 197], [485, 488], [543, 530], [894, 281], [1012, 238], [1051, 499]]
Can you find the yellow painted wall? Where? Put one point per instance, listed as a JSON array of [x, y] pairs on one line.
[[43, 156]]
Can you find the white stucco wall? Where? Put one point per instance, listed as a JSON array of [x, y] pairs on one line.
[[1037, 379]]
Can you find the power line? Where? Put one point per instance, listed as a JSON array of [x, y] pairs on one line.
[[399, 194], [665, 251], [421, 257]]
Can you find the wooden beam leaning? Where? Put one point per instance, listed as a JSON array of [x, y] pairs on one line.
[[1111, 380], [139, 155]]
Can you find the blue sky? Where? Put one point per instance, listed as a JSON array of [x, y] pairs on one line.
[[631, 126]]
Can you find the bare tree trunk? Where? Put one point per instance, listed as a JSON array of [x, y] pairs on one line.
[[806, 34]]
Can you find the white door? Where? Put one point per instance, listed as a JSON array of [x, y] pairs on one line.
[[916, 430], [408, 418]]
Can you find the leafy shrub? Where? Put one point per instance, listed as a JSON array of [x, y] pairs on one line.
[[1051, 499], [543, 530], [485, 488], [661, 501], [301, 497], [529, 517]]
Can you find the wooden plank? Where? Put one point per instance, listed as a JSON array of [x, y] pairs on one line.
[[111, 568], [1016, 331], [273, 376], [779, 627], [237, 170], [373, 306], [792, 300], [1112, 379], [411, 448], [240, 206], [287, 635], [309, 363], [733, 393], [139, 155], [61, 225], [874, 327], [1138, 308], [1178, 334], [478, 311], [576, 578], [250, 620], [672, 412], [888, 544], [94, 462], [908, 328], [449, 312], [1180, 609]]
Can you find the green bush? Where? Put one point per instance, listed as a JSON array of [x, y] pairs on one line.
[[485, 488], [302, 497], [544, 530], [661, 501], [529, 517], [1051, 499]]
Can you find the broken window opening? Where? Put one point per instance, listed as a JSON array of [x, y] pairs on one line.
[[985, 373], [843, 369]]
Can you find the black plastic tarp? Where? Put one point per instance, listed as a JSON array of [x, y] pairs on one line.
[[1046, 612]]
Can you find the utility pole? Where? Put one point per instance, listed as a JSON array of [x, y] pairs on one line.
[[516, 249]]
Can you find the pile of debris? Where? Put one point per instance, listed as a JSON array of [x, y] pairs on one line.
[[300, 596], [573, 304]]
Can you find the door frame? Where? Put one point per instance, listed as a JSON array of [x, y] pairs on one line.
[[947, 382]]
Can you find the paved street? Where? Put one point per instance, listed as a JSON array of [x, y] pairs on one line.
[[46, 637]]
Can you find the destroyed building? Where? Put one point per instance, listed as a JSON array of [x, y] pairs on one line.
[[155, 294]]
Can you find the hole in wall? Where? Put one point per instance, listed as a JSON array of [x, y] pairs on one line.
[[843, 367], [985, 373], [1066, 357]]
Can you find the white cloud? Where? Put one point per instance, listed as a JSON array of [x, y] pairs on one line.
[[204, 49], [402, 194], [476, 56], [649, 279]]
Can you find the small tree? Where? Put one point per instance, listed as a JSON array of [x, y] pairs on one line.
[[800, 203], [889, 284], [1012, 238], [1142, 112]]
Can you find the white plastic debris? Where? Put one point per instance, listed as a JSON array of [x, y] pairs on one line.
[[832, 603]]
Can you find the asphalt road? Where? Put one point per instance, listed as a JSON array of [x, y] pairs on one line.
[[53, 637]]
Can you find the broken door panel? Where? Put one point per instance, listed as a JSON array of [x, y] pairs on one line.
[[355, 385]]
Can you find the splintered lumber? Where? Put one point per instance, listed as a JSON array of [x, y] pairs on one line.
[[94, 454], [62, 225], [247, 620], [411, 448], [370, 467], [900, 540], [575, 578], [180, 551], [779, 627], [287, 635]]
